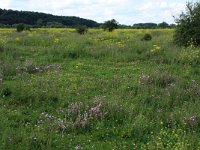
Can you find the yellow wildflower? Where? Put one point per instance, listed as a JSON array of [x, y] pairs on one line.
[[156, 48], [152, 50], [56, 40], [17, 39]]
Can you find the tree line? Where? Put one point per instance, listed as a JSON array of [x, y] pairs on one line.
[[153, 25], [11, 18]]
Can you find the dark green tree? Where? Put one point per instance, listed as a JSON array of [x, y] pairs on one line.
[[163, 25], [172, 25], [147, 37], [20, 27], [110, 25], [81, 29], [188, 26], [145, 26]]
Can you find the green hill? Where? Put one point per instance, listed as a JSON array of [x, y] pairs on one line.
[[12, 17]]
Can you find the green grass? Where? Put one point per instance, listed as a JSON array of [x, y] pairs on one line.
[[101, 90]]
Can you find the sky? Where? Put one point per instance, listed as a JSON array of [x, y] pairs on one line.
[[124, 11]]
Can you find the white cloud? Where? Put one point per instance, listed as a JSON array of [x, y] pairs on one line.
[[5, 3], [125, 11], [161, 10]]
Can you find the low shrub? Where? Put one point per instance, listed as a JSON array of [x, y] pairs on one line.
[[147, 37], [21, 27], [81, 29]]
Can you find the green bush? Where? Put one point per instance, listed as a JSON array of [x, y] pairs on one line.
[[147, 37], [20, 27], [187, 32], [81, 29], [6, 92], [110, 25]]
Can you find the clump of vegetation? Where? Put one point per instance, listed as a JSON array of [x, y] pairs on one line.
[[82, 29], [168, 139], [164, 25], [110, 25], [27, 28], [165, 80], [160, 80], [6, 92], [147, 37], [1, 48], [21, 27], [187, 32]]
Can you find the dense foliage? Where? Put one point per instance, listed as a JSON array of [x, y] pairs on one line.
[[163, 25], [110, 25], [147, 37], [188, 26], [81, 29], [20, 27], [153, 25], [11, 17]]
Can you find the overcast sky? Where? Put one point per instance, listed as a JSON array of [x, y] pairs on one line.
[[124, 11]]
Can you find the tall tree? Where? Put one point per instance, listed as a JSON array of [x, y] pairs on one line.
[[110, 25], [187, 32]]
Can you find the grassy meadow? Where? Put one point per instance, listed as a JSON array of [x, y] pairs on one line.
[[104, 91]]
